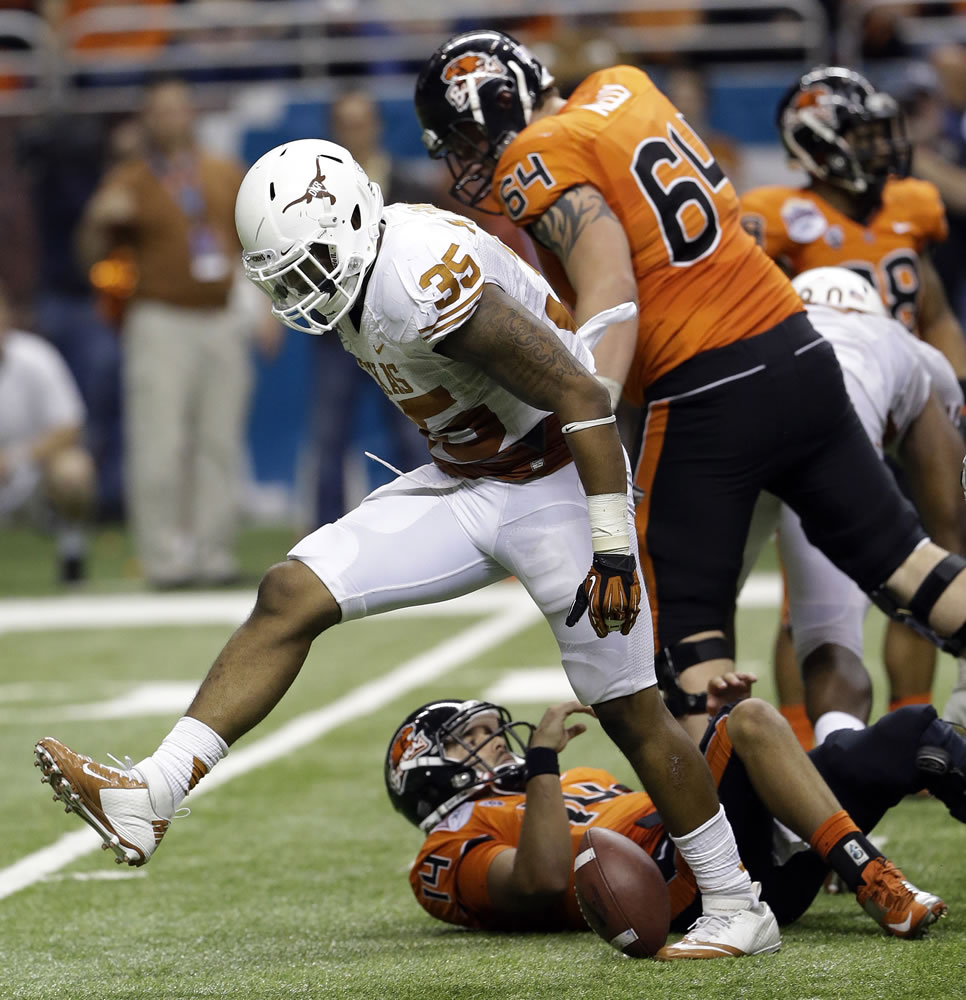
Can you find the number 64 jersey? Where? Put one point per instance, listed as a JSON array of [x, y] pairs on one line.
[[427, 281], [702, 282]]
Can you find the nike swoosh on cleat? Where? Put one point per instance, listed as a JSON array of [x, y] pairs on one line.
[[99, 774], [903, 927]]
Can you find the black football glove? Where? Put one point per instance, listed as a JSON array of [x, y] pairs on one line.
[[610, 593]]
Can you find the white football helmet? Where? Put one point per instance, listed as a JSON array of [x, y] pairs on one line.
[[308, 220], [839, 288]]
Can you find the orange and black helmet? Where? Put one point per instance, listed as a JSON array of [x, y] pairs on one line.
[[430, 769], [843, 130], [473, 95]]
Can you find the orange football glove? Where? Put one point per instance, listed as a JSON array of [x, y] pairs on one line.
[[610, 593]]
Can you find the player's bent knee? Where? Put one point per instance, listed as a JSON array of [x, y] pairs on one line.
[[290, 591], [752, 718], [916, 611]]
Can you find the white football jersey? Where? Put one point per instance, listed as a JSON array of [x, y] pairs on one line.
[[889, 373], [426, 282]]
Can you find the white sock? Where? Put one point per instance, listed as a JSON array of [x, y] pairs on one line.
[[71, 540], [186, 755], [712, 854], [831, 721]]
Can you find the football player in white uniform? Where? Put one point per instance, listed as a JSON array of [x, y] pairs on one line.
[[909, 401], [528, 478]]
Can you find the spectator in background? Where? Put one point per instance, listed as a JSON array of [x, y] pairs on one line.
[[18, 271], [44, 468], [349, 414], [186, 366], [882, 34], [62, 157], [116, 57]]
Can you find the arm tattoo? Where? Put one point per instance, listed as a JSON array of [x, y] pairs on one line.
[[520, 354], [559, 228]]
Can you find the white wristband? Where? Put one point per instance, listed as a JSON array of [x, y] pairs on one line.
[[582, 425], [608, 522]]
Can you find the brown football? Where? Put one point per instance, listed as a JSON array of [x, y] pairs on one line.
[[622, 893]]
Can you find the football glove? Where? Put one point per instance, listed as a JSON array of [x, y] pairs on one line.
[[610, 594]]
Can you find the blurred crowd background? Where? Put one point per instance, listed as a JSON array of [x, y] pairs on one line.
[[93, 92]]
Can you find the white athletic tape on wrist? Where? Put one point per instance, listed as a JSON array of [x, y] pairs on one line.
[[608, 522], [582, 425]]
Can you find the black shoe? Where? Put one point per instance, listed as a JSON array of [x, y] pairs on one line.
[[72, 569]]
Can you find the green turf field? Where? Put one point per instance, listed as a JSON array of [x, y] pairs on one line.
[[288, 879]]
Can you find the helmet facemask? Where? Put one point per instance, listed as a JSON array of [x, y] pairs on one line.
[[310, 288], [471, 159], [879, 144], [431, 768], [309, 220], [844, 132], [474, 95], [507, 776]]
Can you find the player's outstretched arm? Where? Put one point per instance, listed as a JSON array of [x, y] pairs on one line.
[[537, 872]]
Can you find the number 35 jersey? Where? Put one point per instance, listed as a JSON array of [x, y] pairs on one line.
[[702, 282], [801, 231], [427, 281]]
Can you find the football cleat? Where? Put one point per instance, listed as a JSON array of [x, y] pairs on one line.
[[895, 904], [129, 815], [728, 928]]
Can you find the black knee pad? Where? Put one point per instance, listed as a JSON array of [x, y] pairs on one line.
[[672, 660], [916, 615]]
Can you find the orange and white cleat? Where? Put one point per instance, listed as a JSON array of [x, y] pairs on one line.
[[129, 809], [728, 928], [895, 904]]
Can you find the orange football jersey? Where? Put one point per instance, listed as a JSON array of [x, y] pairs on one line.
[[702, 281], [449, 874], [800, 231]]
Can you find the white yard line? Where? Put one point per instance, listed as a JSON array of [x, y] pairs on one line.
[[510, 611], [231, 608], [214, 607], [436, 662]]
